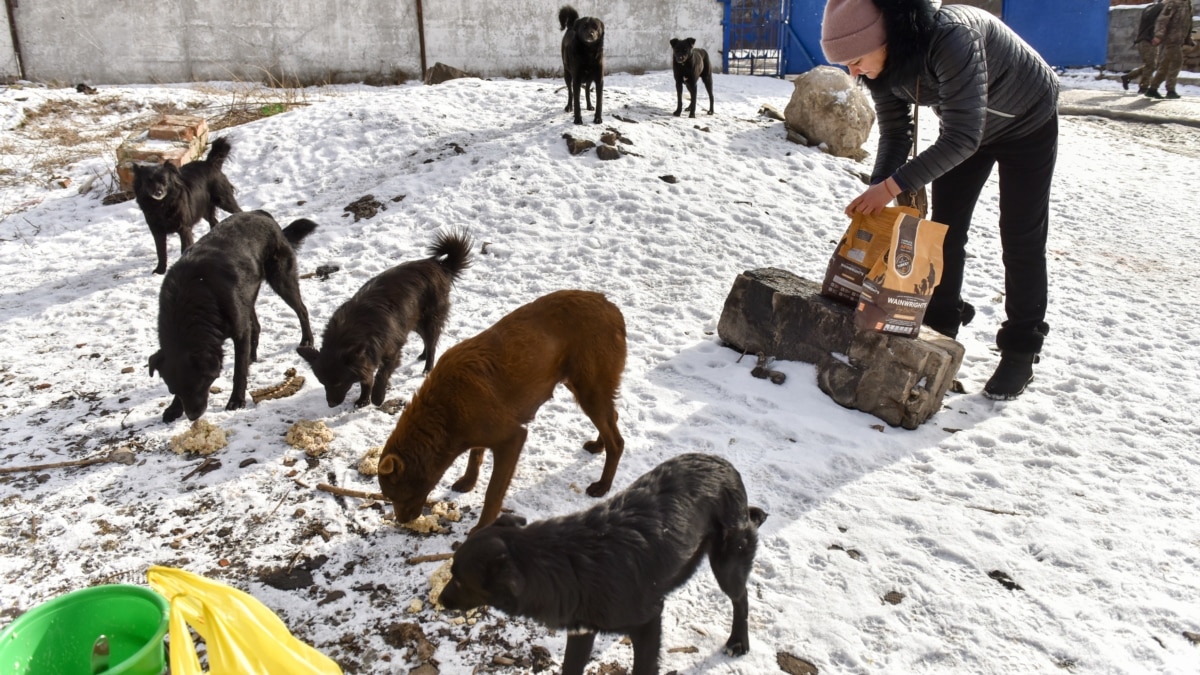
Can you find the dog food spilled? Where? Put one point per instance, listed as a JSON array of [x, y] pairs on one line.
[[437, 583], [311, 436], [203, 438], [368, 464], [432, 522], [290, 385]]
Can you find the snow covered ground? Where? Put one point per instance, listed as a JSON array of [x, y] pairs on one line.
[[1084, 493]]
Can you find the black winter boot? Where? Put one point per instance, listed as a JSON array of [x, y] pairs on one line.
[[1014, 373], [1152, 93]]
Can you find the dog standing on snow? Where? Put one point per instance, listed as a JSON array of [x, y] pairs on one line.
[[690, 64], [364, 337], [208, 297], [609, 568], [583, 60], [174, 199]]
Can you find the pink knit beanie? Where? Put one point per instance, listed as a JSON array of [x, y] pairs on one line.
[[850, 29]]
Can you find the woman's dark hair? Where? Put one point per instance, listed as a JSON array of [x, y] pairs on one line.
[[909, 26]]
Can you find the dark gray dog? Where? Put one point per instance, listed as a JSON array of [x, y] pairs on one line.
[[174, 199], [609, 568], [364, 337], [583, 60], [690, 64], [208, 297]]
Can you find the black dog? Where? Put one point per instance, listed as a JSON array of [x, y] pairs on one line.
[[363, 339], [208, 297], [609, 568], [583, 59], [690, 64], [175, 199]]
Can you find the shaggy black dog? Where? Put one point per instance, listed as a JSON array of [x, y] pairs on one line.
[[363, 339], [208, 297], [583, 59], [690, 64], [609, 568], [175, 199]]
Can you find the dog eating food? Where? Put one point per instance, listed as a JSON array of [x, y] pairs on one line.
[[364, 337], [208, 297], [485, 389], [608, 569]]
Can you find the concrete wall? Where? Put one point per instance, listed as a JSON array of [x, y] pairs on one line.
[[311, 41], [9, 68]]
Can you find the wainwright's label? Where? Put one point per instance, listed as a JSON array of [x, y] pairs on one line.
[[897, 289]]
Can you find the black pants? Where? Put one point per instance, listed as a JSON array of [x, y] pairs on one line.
[[1026, 169]]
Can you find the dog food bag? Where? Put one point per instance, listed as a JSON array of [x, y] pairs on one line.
[[865, 240], [897, 289]]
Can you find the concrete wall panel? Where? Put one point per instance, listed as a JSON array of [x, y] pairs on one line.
[[311, 41]]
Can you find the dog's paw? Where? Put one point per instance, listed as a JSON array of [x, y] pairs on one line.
[[737, 647], [594, 446], [598, 489], [161, 269], [235, 404]]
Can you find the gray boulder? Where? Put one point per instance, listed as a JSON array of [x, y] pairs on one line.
[[828, 106]]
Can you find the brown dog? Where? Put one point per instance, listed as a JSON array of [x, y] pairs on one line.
[[484, 390]]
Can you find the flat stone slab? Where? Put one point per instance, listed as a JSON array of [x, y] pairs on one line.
[[901, 380]]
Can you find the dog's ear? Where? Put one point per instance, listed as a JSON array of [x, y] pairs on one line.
[[674, 43], [310, 354], [390, 464], [509, 520], [156, 362], [690, 42], [170, 167], [504, 577]]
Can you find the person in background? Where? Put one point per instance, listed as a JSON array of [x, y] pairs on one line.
[[1142, 39], [1171, 31], [997, 101]]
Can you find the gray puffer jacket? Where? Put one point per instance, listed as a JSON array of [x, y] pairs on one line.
[[983, 81]]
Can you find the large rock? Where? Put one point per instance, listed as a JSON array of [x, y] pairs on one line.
[[441, 72], [828, 106], [900, 380]]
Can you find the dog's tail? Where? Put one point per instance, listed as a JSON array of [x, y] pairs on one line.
[[567, 16], [297, 231], [452, 251], [219, 152]]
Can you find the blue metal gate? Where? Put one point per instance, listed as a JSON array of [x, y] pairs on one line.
[[754, 37], [1066, 33]]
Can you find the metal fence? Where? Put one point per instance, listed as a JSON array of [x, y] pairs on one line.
[[754, 35]]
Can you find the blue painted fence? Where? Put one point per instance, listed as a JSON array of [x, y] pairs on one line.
[[1067, 33]]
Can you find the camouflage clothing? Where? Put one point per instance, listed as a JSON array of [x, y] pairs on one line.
[[1145, 72], [1173, 28], [1174, 24]]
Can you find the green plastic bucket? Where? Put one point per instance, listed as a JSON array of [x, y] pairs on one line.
[[59, 637]]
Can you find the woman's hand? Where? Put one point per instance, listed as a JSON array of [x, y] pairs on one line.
[[874, 199]]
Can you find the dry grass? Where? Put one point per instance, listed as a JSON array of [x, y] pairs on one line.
[[70, 127]]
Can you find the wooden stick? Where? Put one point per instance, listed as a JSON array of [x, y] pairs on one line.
[[417, 560], [347, 492], [119, 456]]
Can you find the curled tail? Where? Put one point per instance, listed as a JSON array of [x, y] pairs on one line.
[[453, 251], [567, 16], [218, 152], [297, 231]]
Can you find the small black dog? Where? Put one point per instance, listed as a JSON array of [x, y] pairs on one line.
[[208, 297], [363, 339], [609, 568], [175, 199], [690, 64], [583, 60]]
